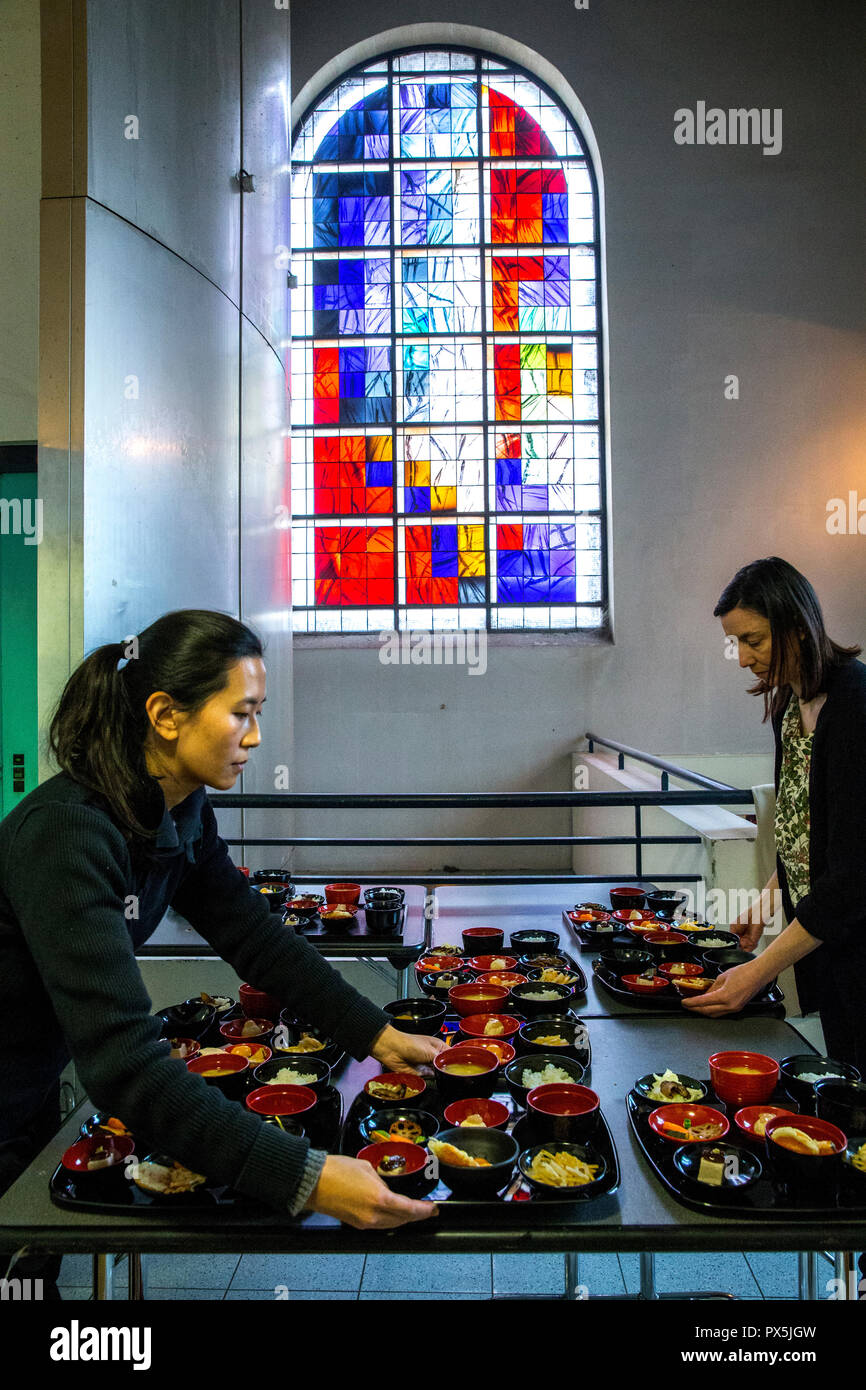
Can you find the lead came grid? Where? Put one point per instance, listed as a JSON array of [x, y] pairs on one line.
[[446, 437]]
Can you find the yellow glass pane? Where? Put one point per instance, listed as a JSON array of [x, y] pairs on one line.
[[470, 564], [443, 499], [470, 538]]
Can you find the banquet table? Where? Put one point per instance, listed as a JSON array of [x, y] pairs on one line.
[[639, 1216], [174, 937]]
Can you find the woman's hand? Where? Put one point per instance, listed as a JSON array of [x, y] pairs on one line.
[[749, 926], [747, 929], [351, 1190], [404, 1051], [731, 991]]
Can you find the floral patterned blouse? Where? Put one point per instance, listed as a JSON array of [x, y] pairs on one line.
[[792, 802]]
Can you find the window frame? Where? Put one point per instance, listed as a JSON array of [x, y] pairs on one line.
[[595, 636]]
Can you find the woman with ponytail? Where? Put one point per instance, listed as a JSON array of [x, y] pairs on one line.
[[89, 863]]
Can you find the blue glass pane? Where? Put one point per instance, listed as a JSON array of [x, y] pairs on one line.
[[347, 139], [508, 470], [444, 561]]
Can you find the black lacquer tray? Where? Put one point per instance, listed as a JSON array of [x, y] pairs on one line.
[[456, 1209], [350, 933], [765, 1198], [113, 1193], [769, 1003], [214, 1038], [451, 1029], [573, 965], [606, 941]]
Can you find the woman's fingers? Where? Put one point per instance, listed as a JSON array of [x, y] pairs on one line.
[[749, 935], [396, 1211], [351, 1190]]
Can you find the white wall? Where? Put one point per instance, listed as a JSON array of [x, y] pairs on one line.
[[719, 260]]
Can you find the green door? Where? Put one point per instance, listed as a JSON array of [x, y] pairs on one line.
[[20, 531]]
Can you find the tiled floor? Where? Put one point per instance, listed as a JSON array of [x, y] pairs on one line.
[[234, 1277]]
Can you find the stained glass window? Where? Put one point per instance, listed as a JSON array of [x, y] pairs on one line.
[[446, 415]]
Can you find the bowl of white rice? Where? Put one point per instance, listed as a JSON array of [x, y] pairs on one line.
[[801, 1073], [541, 1069], [536, 998], [306, 1069]]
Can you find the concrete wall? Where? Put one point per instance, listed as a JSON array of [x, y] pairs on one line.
[[19, 221], [719, 260], [164, 331]]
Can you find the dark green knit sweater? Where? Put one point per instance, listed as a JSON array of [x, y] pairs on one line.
[[70, 983]]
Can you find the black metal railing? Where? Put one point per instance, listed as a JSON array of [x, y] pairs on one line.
[[708, 794], [668, 769]]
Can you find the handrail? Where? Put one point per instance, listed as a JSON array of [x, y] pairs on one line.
[[673, 769], [472, 800], [497, 842]]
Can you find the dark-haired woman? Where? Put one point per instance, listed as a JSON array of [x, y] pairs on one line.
[[815, 694], [90, 861]]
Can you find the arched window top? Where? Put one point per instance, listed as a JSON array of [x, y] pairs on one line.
[[446, 452]]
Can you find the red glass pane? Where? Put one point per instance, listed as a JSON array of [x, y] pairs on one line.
[[419, 563], [509, 537], [418, 538], [354, 591], [328, 539], [444, 590], [508, 446], [417, 590]]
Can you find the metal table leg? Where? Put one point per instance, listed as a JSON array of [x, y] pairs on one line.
[[648, 1277], [846, 1275], [574, 1290], [807, 1276], [103, 1277], [648, 1291], [137, 1282]]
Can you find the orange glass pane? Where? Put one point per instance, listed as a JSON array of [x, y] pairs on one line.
[[507, 403], [328, 591], [378, 447], [352, 447], [380, 538], [529, 229], [378, 499], [417, 472]]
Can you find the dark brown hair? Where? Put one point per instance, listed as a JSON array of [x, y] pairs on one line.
[[783, 596], [99, 728]]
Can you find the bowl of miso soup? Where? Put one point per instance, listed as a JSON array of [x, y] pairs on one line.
[[465, 1070]]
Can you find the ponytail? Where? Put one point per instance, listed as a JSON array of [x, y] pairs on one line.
[[100, 726]]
